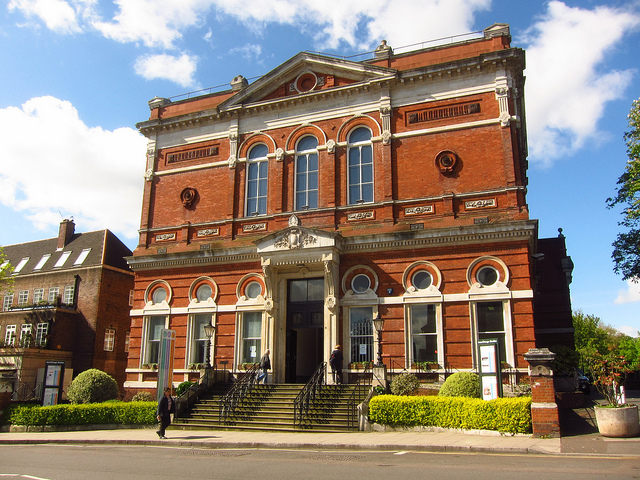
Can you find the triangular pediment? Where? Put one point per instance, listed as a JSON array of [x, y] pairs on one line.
[[296, 238], [307, 73]]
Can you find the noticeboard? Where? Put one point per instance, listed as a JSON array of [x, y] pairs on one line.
[[53, 378], [489, 368]]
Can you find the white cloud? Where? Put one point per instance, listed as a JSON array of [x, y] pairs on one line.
[[627, 330], [180, 69], [52, 162], [58, 15], [248, 51], [567, 89], [631, 294]]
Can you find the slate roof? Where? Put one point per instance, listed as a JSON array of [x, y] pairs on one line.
[[106, 249]]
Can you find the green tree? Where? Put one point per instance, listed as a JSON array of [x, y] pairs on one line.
[[5, 271], [626, 248], [590, 333]]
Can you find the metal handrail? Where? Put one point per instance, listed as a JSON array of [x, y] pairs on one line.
[[189, 397], [238, 393], [359, 394], [307, 396]]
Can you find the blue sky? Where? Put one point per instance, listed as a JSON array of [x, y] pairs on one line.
[[76, 76]]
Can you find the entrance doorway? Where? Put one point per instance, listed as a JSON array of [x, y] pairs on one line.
[[305, 328]]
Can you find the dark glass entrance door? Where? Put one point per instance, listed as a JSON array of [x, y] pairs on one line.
[[305, 329]]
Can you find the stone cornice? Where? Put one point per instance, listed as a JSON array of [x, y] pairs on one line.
[[448, 237]]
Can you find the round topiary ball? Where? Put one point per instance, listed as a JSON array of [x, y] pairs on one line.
[[404, 384], [461, 384], [92, 386]]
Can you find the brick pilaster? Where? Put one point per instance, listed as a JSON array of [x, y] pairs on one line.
[[544, 410]]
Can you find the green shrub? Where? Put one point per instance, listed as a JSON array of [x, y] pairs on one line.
[[404, 384], [121, 413], [92, 386], [183, 387], [512, 415], [461, 384], [143, 397]]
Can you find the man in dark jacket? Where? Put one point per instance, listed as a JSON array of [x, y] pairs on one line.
[[335, 361], [166, 406], [265, 366]]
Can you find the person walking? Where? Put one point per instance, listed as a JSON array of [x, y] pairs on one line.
[[166, 406], [335, 361], [265, 366]]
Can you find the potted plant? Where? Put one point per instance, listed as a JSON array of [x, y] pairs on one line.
[[614, 419]]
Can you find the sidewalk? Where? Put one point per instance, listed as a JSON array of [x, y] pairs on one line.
[[441, 441]]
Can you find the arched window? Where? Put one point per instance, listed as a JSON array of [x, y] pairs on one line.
[[257, 179], [306, 173], [360, 166]]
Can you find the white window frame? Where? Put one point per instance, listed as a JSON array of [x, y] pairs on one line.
[[127, 340], [299, 175], [131, 297], [243, 356], [351, 147], [25, 335], [109, 339], [38, 295], [438, 333], [147, 340], [23, 297], [507, 325], [10, 336], [195, 340], [256, 163], [354, 349], [42, 330], [54, 293], [7, 303], [69, 294]]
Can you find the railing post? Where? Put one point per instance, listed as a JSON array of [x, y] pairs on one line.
[[544, 410]]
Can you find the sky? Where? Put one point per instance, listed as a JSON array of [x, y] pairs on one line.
[[76, 76]]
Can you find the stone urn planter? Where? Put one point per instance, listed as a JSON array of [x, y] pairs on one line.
[[618, 421]]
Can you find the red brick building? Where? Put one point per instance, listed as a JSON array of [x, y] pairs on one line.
[[69, 302], [292, 211]]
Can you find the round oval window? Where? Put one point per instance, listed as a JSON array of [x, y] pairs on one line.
[[422, 280], [204, 293], [253, 290], [159, 295], [360, 283], [487, 276]]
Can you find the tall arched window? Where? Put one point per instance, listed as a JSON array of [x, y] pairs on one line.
[[360, 166], [257, 179], [306, 173]]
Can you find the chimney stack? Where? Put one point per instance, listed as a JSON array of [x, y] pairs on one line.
[[67, 229]]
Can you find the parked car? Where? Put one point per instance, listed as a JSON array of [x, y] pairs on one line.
[[582, 382]]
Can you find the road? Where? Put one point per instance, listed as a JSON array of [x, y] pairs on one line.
[[56, 462]]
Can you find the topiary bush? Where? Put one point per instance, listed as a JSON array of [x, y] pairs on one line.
[[404, 384], [143, 397], [92, 386], [461, 384], [183, 387]]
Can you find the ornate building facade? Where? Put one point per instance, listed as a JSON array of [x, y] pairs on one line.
[[292, 211]]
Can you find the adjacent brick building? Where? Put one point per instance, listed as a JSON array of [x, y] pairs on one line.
[[69, 301], [290, 212]]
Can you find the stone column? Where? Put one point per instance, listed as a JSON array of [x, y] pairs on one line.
[[544, 410]]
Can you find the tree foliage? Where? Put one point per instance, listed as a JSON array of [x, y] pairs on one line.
[[5, 271], [626, 248]]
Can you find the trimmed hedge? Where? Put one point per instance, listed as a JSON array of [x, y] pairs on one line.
[[512, 415], [120, 413]]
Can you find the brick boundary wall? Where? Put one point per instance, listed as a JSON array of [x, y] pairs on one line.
[[544, 410]]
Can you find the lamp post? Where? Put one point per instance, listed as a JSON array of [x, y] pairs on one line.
[[209, 330], [377, 324]]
